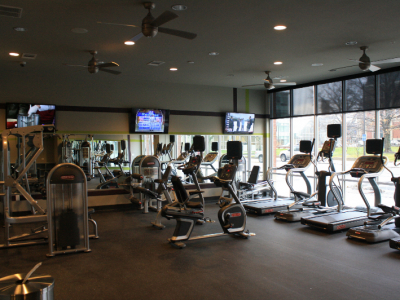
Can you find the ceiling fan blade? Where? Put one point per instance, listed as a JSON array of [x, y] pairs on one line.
[[69, 65], [117, 24], [386, 61], [107, 65], [182, 34], [285, 83], [252, 85], [110, 71], [356, 60], [136, 37], [165, 17], [373, 68], [343, 68]]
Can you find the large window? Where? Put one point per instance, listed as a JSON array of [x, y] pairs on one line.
[[360, 94], [389, 128], [303, 101], [281, 104], [367, 107], [389, 90], [329, 98]]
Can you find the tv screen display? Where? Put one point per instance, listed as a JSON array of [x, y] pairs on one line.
[[149, 120], [238, 123], [29, 114]]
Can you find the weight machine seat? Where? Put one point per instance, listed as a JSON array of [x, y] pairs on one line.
[[182, 213], [147, 192], [192, 204], [183, 196]]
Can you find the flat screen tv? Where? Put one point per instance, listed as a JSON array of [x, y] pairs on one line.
[[145, 120], [29, 114], [239, 123]]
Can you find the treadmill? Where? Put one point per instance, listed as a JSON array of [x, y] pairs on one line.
[[324, 201], [211, 157], [369, 167], [299, 163], [380, 226]]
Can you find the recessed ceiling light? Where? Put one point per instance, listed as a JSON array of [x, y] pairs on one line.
[[283, 80], [13, 54], [79, 30], [280, 27], [351, 43], [156, 63], [129, 43], [213, 53], [190, 62], [179, 7], [317, 65], [20, 29], [173, 69], [278, 63]]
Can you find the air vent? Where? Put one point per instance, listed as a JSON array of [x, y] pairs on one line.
[[156, 63], [9, 11], [28, 56]]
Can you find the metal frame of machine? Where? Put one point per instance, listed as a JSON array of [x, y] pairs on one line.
[[341, 219], [10, 182], [299, 163]]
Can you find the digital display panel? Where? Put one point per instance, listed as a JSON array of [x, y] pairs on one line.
[[149, 121], [29, 114], [239, 123]]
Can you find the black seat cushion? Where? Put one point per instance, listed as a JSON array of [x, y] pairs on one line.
[[191, 204]]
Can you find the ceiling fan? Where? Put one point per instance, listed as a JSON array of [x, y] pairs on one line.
[[366, 64], [269, 84], [151, 26], [95, 66]]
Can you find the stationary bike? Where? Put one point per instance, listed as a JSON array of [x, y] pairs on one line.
[[231, 216]]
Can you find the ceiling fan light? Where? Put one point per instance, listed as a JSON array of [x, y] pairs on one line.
[[179, 7], [280, 27], [129, 43]]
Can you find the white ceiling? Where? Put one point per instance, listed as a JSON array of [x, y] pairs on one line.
[[240, 30]]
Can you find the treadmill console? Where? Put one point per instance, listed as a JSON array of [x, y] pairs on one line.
[[328, 148], [366, 164], [192, 164], [228, 172], [210, 157], [300, 160], [182, 156]]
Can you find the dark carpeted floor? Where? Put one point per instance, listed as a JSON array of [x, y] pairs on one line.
[[132, 260]]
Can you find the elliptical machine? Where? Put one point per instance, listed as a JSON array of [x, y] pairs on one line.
[[379, 227], [325, 199], [232, 215]]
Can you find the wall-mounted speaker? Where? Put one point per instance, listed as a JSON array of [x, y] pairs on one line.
[[234, 150], [334, 131], [199, 143]]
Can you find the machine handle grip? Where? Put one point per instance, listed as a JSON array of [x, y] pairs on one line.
[[137, 176]]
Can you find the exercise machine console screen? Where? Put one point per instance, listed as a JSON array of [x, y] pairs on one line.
[[239, 123], [149, 121]]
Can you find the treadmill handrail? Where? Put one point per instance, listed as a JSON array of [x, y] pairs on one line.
[[331, 187], [370, 175]]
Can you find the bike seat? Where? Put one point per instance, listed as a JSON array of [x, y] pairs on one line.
[[191, 204]]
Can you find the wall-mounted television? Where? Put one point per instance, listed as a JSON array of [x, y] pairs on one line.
[[145, 120], [29, 114], [239, 123]]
